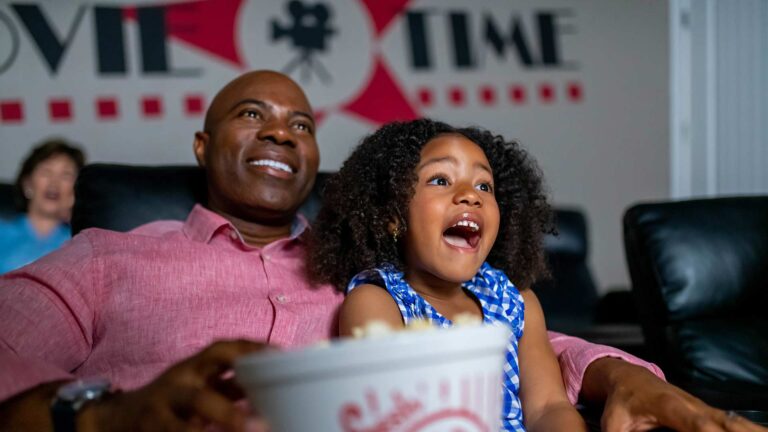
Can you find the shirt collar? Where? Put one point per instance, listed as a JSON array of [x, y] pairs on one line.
[[202, 224]]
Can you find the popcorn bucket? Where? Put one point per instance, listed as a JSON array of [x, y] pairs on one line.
[[428, 381]]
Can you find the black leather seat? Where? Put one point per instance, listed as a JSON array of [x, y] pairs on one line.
[[121, 197], [570, 299], [7, 201], [699, 273]]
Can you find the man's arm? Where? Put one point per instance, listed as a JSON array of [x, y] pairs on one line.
[[575, 355], [47, 311], [47, 314], [636, 399], [192, 393], [545, 404], [633, 392]]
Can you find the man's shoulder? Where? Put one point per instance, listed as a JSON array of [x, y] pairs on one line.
[[158, 228], [153, 229]]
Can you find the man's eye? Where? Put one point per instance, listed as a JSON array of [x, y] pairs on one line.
[[303, 127], [251, 114], [438, 181], [485, 187]]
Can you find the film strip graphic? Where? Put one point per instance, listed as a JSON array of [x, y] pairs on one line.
[[104, 108], [154, 107], [488, 95]]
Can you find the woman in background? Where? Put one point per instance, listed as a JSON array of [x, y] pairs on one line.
[[45, 195]]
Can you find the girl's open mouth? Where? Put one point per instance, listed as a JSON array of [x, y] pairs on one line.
[[465, 234]]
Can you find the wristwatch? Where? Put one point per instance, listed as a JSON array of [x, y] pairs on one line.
[[71, 397]]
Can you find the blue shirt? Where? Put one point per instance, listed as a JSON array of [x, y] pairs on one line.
[[20, 244], [500, 302]]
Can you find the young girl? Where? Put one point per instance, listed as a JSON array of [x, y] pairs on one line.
[[413, 218]]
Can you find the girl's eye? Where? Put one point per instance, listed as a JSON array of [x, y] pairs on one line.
[[438, 181], [485, 187]]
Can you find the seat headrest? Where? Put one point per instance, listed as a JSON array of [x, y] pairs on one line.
[[122, 197], [705, 256], [571, 238], [7, 201]]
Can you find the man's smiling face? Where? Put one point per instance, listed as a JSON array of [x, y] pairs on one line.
[[259, 148]]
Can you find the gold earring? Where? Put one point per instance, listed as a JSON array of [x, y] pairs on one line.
[[395, 233]]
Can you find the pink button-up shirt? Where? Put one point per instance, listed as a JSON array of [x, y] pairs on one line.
[[127, 305]]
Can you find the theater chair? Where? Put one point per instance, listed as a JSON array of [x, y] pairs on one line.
[[7, 202], [570, 299], [699, 274], [121, 197]]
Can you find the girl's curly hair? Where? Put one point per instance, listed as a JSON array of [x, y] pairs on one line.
[[376, 183]]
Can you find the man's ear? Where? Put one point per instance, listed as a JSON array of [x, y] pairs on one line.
[[200, 145]]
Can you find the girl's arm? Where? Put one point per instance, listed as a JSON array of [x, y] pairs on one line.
[[542, 394], [368, 303]]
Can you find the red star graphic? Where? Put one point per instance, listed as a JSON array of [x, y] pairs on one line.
[[206, 24], [382, 100], [210, 26]]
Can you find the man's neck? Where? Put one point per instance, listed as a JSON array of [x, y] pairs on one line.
[[257, 234]]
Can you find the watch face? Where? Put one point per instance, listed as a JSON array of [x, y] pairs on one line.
[[83, 389]]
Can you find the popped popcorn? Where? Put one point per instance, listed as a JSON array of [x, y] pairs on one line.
[[376, 328]]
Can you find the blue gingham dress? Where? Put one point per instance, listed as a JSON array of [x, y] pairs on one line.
[[500, 301]]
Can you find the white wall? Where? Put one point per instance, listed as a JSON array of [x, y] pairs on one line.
[[601, 149], [720, 98]]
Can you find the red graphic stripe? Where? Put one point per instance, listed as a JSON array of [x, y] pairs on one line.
[[487, 95], [11, 111], [574, 90], [194, 105], [456, 96], [517, 94], [152, 106], [60, 109], [425, 96], [546, 93], [107, 108]]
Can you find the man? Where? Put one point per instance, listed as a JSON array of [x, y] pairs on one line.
[[128, 305]]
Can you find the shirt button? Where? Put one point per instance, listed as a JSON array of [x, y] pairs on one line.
[[281, 298], [233, 235], [266, 258]]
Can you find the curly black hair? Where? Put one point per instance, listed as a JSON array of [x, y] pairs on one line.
[[374, 188]]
